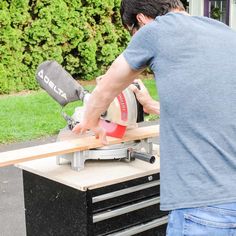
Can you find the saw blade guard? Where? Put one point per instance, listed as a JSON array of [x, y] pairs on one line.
[[123, 110], [121, 113]]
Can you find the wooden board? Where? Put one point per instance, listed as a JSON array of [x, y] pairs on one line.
[[79, 144]]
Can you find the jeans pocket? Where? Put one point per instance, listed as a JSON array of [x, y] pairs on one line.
[[195, 225], [220, 209]]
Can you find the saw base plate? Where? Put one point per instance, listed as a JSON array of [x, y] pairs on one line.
[[113, 152]]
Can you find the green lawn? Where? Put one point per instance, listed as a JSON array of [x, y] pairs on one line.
[[34, 115]]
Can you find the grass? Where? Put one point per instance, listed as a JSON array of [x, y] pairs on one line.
[[151, 86], [35, 115]]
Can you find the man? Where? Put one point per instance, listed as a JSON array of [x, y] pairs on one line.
[[194, 61]]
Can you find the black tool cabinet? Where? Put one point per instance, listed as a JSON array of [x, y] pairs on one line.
[[126, 208]]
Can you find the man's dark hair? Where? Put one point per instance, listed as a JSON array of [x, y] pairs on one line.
[[151, 8]]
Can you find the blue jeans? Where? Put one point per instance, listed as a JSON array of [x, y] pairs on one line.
[[217, 220]]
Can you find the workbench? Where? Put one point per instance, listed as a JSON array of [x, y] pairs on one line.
[[113, 198]]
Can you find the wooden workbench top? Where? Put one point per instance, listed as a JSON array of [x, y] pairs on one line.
[[96, 174]]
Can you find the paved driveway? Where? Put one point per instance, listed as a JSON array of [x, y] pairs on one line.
[[12, 218], [12, 222]]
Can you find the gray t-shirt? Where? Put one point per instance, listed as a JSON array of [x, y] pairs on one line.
[[194, 62]]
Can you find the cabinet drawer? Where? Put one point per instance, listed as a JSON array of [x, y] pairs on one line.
[[151, 228], [132, 206], [130, 218], [125, 196], [124, 185]]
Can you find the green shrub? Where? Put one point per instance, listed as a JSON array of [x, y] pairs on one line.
[[84, 36]]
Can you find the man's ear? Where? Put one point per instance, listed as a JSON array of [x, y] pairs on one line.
[[140, 18], [143, 19]]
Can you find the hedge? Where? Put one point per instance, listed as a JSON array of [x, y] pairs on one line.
[[83, 35]]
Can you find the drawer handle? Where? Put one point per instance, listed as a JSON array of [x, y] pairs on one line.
[[142, 227], [125, 191], [120, 211]]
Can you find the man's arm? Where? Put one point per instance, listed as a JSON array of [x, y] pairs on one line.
[[119, 76]]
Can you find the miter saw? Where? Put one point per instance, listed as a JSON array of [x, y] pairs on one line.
[[122, 114]]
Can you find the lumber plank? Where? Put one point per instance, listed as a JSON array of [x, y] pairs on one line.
[[79, 144]]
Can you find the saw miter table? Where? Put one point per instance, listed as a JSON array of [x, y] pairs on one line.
[[77, 186]]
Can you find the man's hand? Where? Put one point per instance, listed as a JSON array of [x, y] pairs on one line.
[[150, 106], [98, 131]]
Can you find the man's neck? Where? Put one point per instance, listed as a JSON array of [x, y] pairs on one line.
[[176, 10]]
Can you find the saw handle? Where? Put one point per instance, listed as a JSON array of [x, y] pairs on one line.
[[142, 156], [140, 115]]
